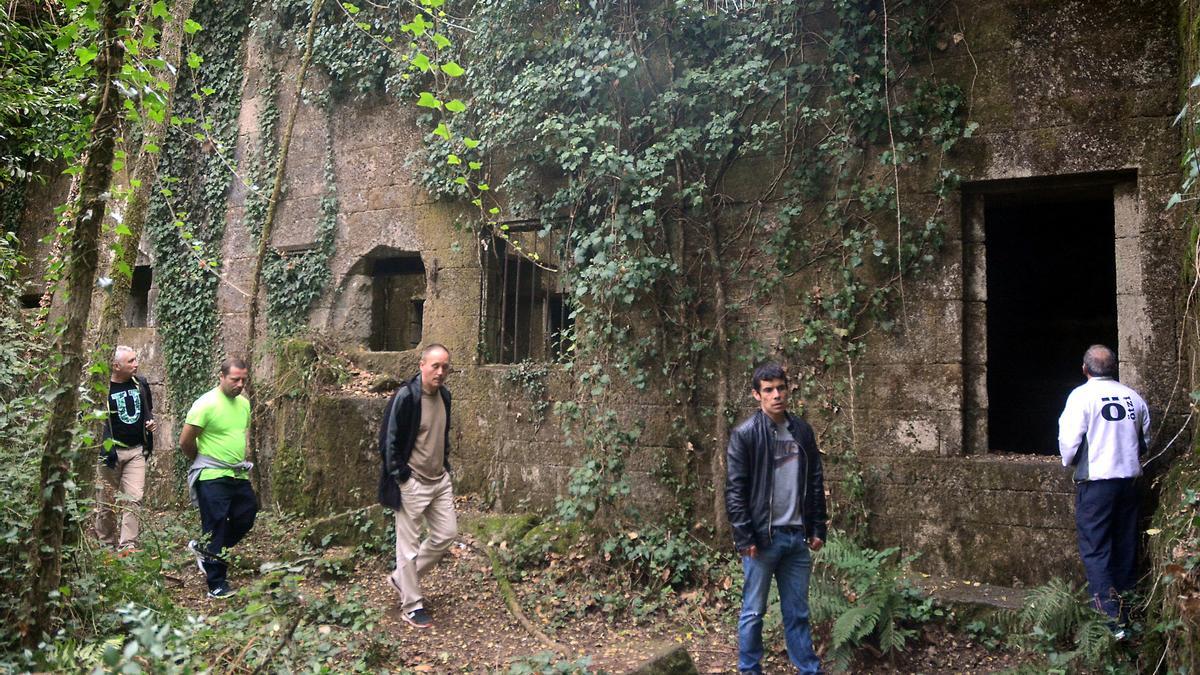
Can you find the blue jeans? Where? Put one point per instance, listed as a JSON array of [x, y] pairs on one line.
[[788, 560]]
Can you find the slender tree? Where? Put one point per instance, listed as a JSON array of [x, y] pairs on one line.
[[137, 206], [264, 237], [46, 538]]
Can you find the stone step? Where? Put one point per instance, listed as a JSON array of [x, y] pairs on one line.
[[974, 596]]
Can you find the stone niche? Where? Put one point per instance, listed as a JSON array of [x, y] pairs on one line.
[[380, 303]]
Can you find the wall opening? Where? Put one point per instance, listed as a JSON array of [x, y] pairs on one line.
[[31, 300], [524, 314], [1051, 291], [138, 308], [397, 302]]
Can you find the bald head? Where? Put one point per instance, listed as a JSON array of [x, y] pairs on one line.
[[435, 366], [1100, 361]]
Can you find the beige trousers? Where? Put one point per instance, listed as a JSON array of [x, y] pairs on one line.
[[128, 478], [434, 504]]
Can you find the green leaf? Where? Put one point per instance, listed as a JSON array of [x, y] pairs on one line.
[[483, 187], [151, 148], [470, 142], [350, 7], [428, 100], [456, 106], [194, 60], [442, 130], [421, 61], [452, 69], [474, 166], [86, 54], [453, 159], [191, 27], [441, 41], [1175, 199], [159, 10]]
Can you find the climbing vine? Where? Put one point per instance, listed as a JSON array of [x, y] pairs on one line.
[[188, 213], [674, 150]]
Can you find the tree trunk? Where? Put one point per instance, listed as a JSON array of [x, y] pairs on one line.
[[721, 423], [47, 535], [264, 237], [137, 206]]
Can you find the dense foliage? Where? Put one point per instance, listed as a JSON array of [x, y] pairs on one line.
[[39, 94], [707, 175]]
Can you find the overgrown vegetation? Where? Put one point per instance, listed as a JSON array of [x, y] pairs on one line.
[[668, 149]]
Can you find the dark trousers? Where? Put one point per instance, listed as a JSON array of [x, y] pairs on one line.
[[1106, 518], [227, 510]]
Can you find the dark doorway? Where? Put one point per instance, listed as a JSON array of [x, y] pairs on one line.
[[397, 303], [1051, 292], [137, 310]]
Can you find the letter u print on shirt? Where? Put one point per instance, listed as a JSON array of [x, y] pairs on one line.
[[123, 401]]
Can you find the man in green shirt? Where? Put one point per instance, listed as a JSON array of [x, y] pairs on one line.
[[214, 438]]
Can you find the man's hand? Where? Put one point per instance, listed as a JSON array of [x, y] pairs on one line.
[[151, 426], [750, 550], [187, 441], [815, 543]]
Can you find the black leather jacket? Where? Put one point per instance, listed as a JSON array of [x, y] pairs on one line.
[[751, 472], [398, 434]]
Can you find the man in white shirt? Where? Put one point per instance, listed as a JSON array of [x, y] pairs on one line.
[[1102, 432]]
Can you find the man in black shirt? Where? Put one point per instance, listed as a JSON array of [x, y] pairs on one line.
[[128, 441]]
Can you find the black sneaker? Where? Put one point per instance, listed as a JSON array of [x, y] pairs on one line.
[[418, 618], [194, 547], [222, 592]]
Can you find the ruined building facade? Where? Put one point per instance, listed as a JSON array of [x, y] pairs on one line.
[[1066, 186]]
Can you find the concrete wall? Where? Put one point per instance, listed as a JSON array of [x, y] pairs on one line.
[[1059, 89], [1080, 89]]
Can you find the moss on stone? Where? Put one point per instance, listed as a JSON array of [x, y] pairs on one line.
[[290, 479], [501, 527], [552, 536], [349, 528]]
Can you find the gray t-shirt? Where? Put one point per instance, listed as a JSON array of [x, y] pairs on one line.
[[785, 492], [428, 461]]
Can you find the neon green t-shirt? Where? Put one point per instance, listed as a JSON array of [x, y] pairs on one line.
[[224, 422]]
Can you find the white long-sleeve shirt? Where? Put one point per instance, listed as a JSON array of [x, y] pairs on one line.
[[1108, 416]]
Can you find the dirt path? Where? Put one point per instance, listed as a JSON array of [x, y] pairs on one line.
[[473, 630]]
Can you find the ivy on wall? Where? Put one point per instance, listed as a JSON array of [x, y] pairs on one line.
[[698, 164], [293, 279], [188, 212]]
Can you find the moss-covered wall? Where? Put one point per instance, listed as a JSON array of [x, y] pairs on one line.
[[1058, 89]]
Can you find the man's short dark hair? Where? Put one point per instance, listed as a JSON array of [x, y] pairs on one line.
[[1100, 361], [233, 362], [433, 348], [767, 371]]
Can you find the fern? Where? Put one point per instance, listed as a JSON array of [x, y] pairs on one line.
[[864, 593], [1058, 620]]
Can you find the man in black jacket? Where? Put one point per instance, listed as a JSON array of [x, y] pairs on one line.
[[414, 480], [775, 498], [128, 442]]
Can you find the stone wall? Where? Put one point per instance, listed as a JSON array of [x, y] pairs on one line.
[[1064, 92], [1081, 90]]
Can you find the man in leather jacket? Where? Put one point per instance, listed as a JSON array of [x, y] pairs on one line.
[[414, 479], [775, 498]]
